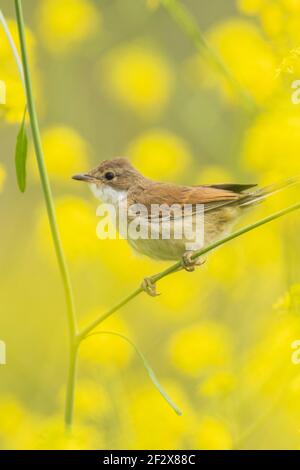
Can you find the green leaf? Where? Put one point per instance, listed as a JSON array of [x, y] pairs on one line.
[[21, 155], [149, 370]]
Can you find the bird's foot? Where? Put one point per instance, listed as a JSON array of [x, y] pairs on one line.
[[149, 286], [189, 264]]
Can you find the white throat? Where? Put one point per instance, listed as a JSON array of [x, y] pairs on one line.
[[108, 194]]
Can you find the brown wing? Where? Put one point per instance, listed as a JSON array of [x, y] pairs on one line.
[[211, 196]]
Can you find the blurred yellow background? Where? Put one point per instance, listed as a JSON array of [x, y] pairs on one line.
[[118, 77]]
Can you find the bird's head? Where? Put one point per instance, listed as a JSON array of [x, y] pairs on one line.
[[117, 174]]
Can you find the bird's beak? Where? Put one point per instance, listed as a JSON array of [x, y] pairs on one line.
[[83, 177]]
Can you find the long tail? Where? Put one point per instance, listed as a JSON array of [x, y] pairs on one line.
[[262, 193]]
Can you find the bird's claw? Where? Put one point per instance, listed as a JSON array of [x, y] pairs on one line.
[[149, 286], [189, 263]]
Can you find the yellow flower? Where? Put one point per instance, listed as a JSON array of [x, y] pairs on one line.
[[63, 24], [213, 434], [214, 174], [200, 346], [76, 219], [112, 251], [293, 29], [91, 400], [219, 383], [155, 425], [259, 79], [291, 63], [219, 267], [13, 109], [273, 142], [290, 301], [179, 299], [109, 351], [250, 7], [52, 435], [2, 92], [66, 153], [18, 425], [137, 77], [160, 154], [2, 177], [272, 19], [13, 416], [271, 355], [276, 18], [291, 5]]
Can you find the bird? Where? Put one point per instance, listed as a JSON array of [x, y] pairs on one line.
[[116, 180]]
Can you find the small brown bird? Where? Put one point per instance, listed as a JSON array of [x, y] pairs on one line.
[[115, 180]]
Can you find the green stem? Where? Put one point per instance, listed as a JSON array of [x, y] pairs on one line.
[[107, 314], [149, 369], [71, 383], [186, 21], [72, 322], [172, 269]]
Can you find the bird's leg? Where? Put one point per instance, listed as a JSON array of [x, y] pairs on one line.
[[188, 263], [149, 286]]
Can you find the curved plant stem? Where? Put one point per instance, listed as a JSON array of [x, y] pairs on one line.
[[186, 21], [146, 365], [72, 323], [172, 269], [109, 312]]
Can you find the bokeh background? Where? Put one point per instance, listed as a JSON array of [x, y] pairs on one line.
[[119, 77]]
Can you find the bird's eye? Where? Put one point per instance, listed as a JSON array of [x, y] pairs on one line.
[[109, 175]]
